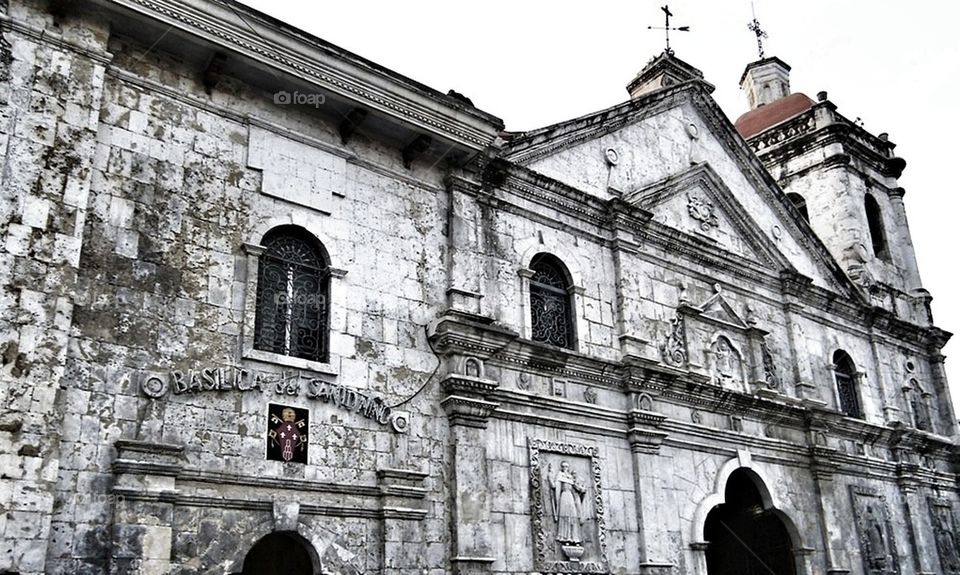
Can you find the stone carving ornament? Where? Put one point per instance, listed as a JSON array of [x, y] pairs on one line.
[[567, 508], [877, 547], [567, 496], [726, 362], [769, 369], [945, 534], [702, 210], [674, 349]]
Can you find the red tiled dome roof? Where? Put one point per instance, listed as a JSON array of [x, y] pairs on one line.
[[756, 121]]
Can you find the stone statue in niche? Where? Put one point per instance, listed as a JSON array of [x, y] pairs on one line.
[[944, 533], [877, 547], [645, 402], [876, 542], [472, 367], [726, 362], [919, 407], [568, 492], [567, 508]]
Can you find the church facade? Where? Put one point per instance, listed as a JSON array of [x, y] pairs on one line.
[[269, 307]]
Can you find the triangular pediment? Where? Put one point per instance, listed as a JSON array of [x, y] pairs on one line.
[[720, 311], [675, 154], [697, 202]]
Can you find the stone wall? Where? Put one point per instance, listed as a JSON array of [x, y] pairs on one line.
[[136, 202]]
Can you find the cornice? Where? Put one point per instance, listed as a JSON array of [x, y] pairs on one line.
[[330, 68], [50, 36], [535, 144]]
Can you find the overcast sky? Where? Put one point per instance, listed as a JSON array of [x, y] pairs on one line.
[[894, 64]]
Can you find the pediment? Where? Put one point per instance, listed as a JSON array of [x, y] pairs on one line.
[[698, 203], [673, 153], [719, 311]]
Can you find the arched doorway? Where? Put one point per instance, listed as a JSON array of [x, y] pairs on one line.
[[745, 538], [281, 553]]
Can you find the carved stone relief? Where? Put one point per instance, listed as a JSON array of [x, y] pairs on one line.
[[727, 363], [523, 381], [674, 349], [877, 544], [590, 395], [645, 402], [472, 367], [567, 508], [944, 526], [702, 210], [769, 368]]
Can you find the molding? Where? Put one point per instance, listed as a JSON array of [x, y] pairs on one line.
[[333, 69], [52, 37]]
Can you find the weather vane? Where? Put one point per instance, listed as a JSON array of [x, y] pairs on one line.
[[666, 27], [754, 27]]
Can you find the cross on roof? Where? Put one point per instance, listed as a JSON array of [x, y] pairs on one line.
[[754, 26], [666, 27]]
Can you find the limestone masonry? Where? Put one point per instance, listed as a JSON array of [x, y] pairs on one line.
[[270, 308]]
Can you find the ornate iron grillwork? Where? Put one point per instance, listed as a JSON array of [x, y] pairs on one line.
[[550, 309], [847, 390], [292, 298]]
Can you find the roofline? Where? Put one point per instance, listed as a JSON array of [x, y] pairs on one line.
[[292, 51]]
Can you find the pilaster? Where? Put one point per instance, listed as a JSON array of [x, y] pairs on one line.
[[144, 490], [464, 289], [401, 493], [832, 522], [465, 390], [924, 549], [645, 439]]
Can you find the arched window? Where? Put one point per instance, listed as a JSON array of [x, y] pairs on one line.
[[551, 311], [799, 203], [845, 372], [878, 237], [918, 406], [293, 288]]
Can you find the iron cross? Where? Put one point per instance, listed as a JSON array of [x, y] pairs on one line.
[[754, 27], [666, 27]]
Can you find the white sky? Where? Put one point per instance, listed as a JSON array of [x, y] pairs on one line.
[[895, 64]]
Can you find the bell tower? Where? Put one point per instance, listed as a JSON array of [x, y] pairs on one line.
[[842, 179]]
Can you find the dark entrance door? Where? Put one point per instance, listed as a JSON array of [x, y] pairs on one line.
[[745, 538], [279, 554]]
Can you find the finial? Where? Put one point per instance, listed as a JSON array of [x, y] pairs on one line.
[[666, 27], [754, 26]]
